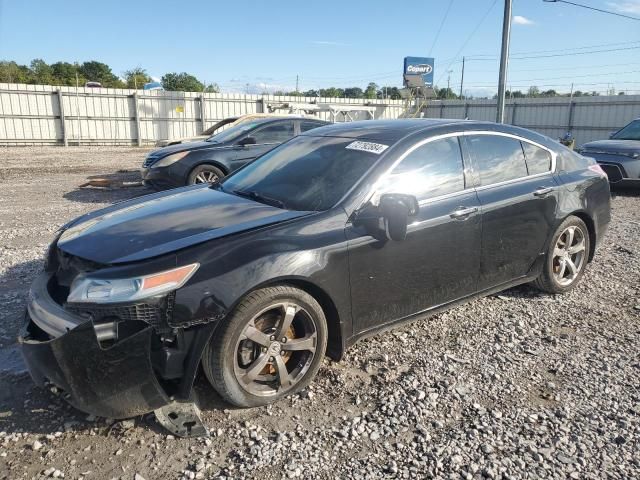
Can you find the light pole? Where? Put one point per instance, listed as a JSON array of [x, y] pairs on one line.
[[504, 60]]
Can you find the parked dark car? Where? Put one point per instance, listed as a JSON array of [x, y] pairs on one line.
[[212, 159], [619, 156], [331, 237]]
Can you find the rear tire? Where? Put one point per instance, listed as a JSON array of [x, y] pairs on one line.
[[271, 345], [566, 257], [205, 174]]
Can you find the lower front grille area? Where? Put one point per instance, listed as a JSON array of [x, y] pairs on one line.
[[614, 172], [156, 316]]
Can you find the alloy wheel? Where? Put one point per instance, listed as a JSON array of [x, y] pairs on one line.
[[569, 255], [275, 349], [206, 176]]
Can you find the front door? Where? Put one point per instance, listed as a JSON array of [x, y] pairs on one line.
[[438, 261], [518, 195]]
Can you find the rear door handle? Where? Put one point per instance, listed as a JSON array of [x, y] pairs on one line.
[[462, 212], [542, 192]]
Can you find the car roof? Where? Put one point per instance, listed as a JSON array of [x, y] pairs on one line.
[[392, 131], [388, 131]]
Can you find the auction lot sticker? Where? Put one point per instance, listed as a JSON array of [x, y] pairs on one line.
[[371, 147]]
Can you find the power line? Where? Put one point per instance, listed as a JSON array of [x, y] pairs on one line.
[[444, 19], [515, 57], [594, 8], [569, 76], [473, 32], [584, 47]]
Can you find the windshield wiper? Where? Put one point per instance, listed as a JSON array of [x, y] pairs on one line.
[[258, 197]]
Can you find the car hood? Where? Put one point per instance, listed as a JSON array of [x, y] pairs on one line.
[[162, 223], [621, 147], [181, 147]]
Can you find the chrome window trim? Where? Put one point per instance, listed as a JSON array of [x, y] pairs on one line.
[[553, 154], [467, 168], [384, 176]]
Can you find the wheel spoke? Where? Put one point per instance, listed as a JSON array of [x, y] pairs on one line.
[[558, 251], [298, 344], [577, 248], [283, 373], [289, 312], [563, 267], [256, 336], [256, 367], [570, 234], [572, 266]]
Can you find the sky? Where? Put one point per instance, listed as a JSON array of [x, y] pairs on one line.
[[263, 45]]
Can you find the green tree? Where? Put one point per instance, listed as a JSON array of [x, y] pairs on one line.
[[353, 92], [42, 74], [212, 88], [311, 93], [331, 92], [11, 72], [100, 72], [445, 93], [136, 77], [392, 93], [181, 82], [533, 91], [64, 73], [371, 91]]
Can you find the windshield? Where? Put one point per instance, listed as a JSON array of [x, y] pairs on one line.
[[306, 173], [630, 132], [232, 132]]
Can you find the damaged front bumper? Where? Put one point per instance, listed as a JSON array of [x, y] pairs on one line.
[[115, 381]]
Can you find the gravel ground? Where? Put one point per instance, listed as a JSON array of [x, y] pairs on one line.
[[517, 385]]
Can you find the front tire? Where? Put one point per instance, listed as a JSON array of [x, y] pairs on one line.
[[205, 174], [566, 258], [271, 346]]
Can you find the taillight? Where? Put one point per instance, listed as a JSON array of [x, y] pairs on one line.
[[598, 169]]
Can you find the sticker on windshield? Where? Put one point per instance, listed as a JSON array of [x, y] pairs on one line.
[[371, 147]]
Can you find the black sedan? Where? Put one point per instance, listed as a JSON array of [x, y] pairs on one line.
[[619, 156], [333, 236], [212, 159]]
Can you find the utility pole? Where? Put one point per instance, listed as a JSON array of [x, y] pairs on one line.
[[504, 60], [462, 78], [297, 84], [448, 82]]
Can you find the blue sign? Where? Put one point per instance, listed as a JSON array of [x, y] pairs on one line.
[[153, 86], [420, 66]]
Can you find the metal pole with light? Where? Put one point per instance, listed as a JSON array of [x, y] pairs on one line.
[[504, 60]]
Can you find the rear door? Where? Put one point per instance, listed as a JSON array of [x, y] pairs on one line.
[[518, 195], [267, 137]]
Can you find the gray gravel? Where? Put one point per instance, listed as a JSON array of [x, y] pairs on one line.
[[518, 385]]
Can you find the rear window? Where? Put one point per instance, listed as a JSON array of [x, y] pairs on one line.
[[498, 158], [538, 159], [306, 126]]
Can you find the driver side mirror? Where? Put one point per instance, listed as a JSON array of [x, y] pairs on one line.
[[247, 141], [396, 210]]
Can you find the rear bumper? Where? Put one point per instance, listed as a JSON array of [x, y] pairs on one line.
[[116, 381]]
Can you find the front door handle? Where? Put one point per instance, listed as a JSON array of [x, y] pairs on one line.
[[543, 192], [462, 212]]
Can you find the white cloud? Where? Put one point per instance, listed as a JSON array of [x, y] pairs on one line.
[[329, 43], [520, 20], [628, 6]]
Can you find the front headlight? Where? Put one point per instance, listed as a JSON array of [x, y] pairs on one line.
[[85, 289], [170, 159]]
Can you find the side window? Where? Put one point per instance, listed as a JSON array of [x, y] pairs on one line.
[[276, 133], [432, 169], [538, 159], [306, 126], [498, 158]]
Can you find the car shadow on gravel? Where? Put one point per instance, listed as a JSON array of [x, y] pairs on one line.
[[119, 186]]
